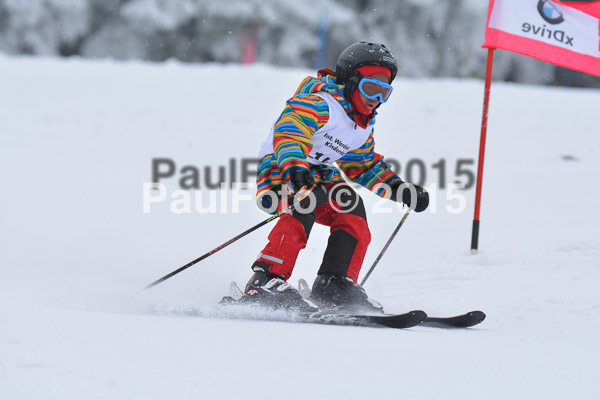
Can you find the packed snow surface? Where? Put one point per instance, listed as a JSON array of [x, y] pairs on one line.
[[77, 140]]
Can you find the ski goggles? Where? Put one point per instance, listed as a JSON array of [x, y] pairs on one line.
[[373, 88]]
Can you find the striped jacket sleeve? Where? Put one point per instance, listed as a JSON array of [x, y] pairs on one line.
[[293, 131], [368, 169]]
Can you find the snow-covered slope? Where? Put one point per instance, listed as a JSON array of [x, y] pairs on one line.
[[76, 143]]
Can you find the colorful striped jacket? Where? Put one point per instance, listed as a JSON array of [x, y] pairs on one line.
[[304, 114]]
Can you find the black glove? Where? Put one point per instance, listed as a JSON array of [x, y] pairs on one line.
[[300, 179], [422, 197]]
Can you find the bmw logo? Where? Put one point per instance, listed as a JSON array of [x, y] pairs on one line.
[[550, 12]]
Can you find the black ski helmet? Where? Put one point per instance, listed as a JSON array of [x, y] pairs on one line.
[[360, 54]]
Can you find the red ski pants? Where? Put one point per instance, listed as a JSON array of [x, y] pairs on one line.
[[348, 240]]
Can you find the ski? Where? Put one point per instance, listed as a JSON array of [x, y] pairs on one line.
[[232, 307], [466, 320], [395, 321]]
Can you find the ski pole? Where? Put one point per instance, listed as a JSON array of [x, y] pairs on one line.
[[385, 247], [302, 193]]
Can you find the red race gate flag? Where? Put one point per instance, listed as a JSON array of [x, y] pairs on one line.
[[565, 33], [562, 32]]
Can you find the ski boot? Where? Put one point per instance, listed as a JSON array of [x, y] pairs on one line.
[[341, 293], [272, 291]]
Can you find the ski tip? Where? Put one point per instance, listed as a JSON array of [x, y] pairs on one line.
[[479, 315], [422, 315], [465, 320], [235, 292], [398, 321]]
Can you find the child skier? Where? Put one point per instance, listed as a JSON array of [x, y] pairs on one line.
[[329, 120]]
